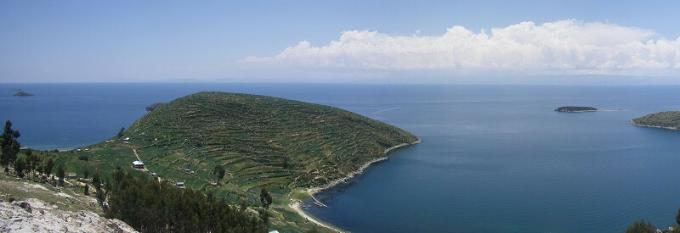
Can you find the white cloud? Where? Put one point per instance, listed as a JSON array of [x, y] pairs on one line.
[[560, 47]]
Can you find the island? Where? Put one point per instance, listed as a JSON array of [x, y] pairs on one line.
[[665, 120], [257, 153], [575, 109], [21, 93]]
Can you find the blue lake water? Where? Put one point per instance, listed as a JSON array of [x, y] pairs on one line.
[[493, 158]]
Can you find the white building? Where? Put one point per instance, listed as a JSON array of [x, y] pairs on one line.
[[138, 164]]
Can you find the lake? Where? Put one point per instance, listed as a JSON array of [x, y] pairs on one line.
[[493, 158]]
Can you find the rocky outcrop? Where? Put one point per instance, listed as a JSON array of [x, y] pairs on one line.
[[33, 215]]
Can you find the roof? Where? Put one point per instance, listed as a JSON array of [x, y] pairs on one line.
[[137, 162]]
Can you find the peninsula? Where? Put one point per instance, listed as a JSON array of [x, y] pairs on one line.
[[289, 148], [664, 120], [575, 109]]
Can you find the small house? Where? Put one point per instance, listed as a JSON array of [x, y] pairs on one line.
[[138, 164]]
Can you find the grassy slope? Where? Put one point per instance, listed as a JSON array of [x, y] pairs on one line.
[[251, 136], [669, 119]]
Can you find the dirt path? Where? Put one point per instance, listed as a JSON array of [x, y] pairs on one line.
[[137, 155]]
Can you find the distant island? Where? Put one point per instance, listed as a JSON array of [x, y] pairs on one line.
[[576, 109], [664, 120], [22, 94]]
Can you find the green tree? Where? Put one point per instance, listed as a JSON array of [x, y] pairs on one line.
[[120, 132], [20, 166], [285, 162], [9, 145], [49, 166], [677, 217], [641, 226], [219, 172], [265, 198], [61, 173], [32, 161]]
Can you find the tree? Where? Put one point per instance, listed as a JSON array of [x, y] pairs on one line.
[[120, 132], [285, 162], [32, 161], [150, 206], [265, 198], [61, 173], [677, 217], [87, 190], [20, 166], [9, 145], [219, 172], [641, 226], [97, 183], [49, 166]]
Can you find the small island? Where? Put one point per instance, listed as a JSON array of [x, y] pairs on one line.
[[21, 93], [575, 109], [664, 120]]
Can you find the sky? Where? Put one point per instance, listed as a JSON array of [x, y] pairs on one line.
[[542, 42]]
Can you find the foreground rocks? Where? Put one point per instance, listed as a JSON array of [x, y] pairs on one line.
[[33, 215]]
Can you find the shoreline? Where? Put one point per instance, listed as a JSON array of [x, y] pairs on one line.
[[296, 205], [653, 126]]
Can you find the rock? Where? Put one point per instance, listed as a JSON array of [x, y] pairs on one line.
[[15, 218], [26, 206]]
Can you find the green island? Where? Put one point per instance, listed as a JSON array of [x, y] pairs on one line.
[[259, 156], [22, 94], [575, 109], [664, 120]]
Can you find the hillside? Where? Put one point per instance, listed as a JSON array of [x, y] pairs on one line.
[[50, 209], [283, 145], [667, 120]]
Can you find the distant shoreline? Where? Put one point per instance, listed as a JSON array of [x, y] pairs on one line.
[[297, 204], [654, 126]]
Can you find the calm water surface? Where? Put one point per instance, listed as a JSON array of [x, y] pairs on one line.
[[493, 158]]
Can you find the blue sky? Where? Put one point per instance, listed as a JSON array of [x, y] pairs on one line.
[[135, 41]]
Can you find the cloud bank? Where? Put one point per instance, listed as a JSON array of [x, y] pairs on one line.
[[560, 47]]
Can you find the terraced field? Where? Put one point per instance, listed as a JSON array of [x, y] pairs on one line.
[[261, 141]]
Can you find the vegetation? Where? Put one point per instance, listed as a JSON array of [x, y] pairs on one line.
[[120, 133], [265, 198], [262, 151], [9, 145], [153, 106], [150, 206], [219, 172], [641, 227], [670, 120], [575, 109]]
